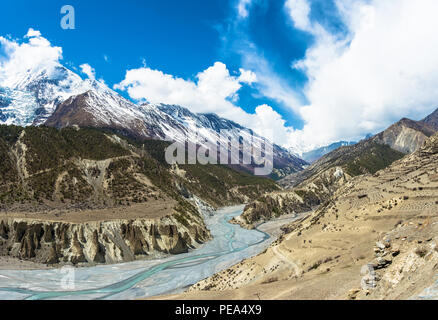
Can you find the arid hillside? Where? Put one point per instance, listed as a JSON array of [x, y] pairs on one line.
[[376, 238], [91, 196]]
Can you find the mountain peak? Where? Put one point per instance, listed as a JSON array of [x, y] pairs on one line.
[[55, 96], [32, 96], [432, 120]]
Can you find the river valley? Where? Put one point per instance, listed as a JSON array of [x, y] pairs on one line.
[[142, 279]]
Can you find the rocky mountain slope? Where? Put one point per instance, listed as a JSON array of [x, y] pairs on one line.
[[29, 98], [64, 168], [103, 108], [372, 154], [375, 239], [432, 120], [51, 94], [317, 183], [84, 185], [406, 135], [308, 196], [367, 156]]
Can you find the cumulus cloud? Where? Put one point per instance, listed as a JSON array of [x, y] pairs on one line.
[[88, 70], [215, 90], [269, 123], [386, 68], [20, 57], [32, 33], [247, 76]]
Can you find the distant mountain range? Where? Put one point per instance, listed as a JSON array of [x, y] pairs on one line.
[[368, 155], [316, 184], [313, 155], [52, 95], [405, 136], [55, 96]]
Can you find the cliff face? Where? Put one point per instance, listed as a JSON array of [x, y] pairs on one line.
[[271, 206], [99, 242], [406, 136]]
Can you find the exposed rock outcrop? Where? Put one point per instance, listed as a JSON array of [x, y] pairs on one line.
[[406, 136], [98, 242]]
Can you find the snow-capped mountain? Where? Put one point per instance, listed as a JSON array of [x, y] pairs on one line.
[[209, 126], [314, 155], [56, 96], [101, 107], [29, 98]]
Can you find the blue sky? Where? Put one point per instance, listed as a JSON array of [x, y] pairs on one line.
[[168, 34], [314, 71], [180, 38]]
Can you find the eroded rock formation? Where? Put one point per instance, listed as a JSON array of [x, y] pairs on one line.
[[97, 242]]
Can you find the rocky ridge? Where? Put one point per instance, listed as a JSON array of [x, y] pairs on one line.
[[114, 241], [318, 182]]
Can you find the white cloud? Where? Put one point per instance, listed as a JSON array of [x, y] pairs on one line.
[[385, 69], [32, 33], [31, 54], [88, 70], [242, 8], [268, 123], [247, 76], [212, 92], [215, 91], [299, 11]]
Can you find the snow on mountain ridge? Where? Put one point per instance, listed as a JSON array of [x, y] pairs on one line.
[[35, 94], [55, 96]]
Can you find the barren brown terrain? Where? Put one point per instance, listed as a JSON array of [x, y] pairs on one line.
[[375, 239], [153, 209]]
